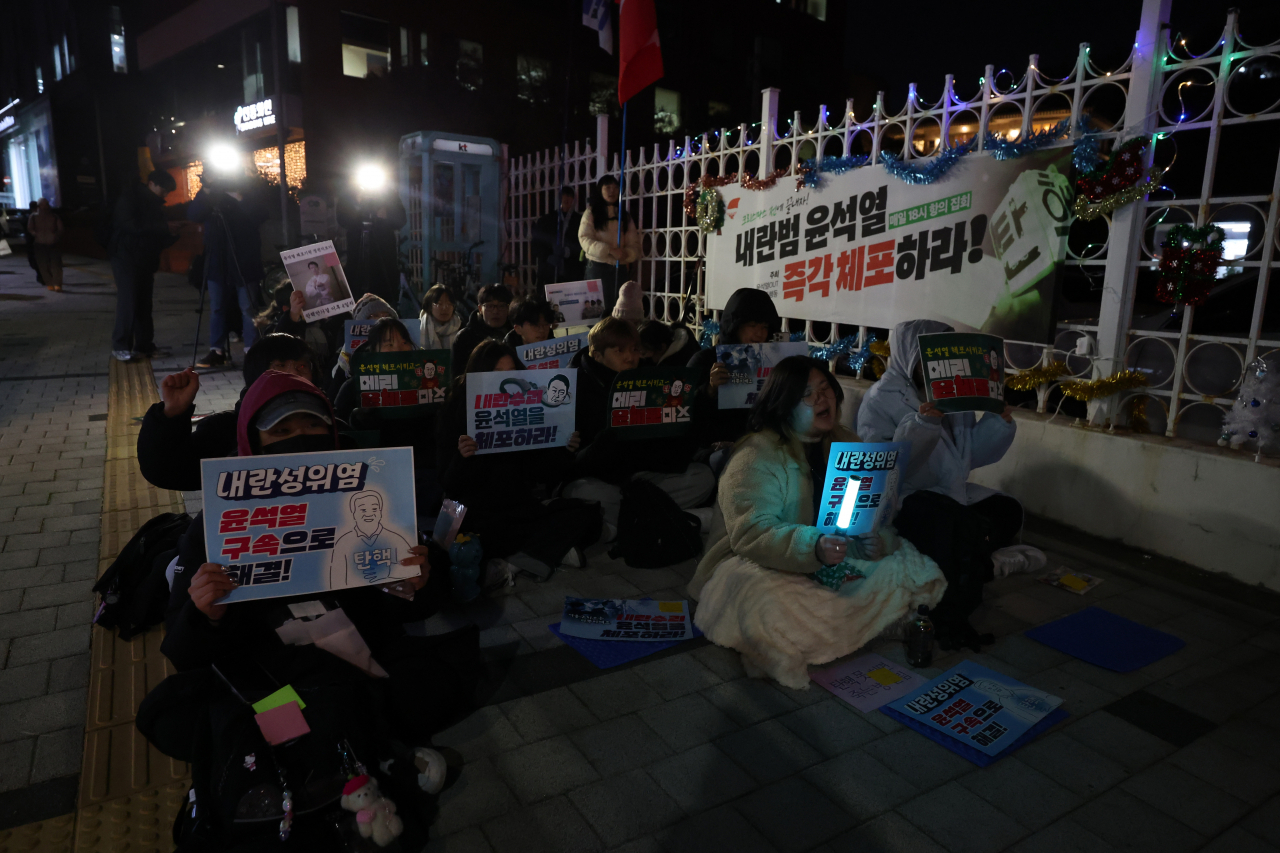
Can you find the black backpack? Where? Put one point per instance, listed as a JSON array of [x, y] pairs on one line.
[[653, 532], [134, 589]]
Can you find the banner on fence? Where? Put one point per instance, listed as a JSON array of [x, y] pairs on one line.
[[356, 332], [651, 402], [963, 372], [553, 353], [576, 302], [302, 523], [749, 366], [861, 489], [979, 248], [521, 409], [316, 271], [401, 384]]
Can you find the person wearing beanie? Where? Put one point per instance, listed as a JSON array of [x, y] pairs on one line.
[[628, 306], [370, 308]]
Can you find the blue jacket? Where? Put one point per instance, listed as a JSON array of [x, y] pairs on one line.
[[942, 453]]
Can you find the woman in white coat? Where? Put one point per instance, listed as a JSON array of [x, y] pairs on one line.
[[609, 250], [969, 530]]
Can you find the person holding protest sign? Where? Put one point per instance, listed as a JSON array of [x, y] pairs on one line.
[[370, 308], [968, 529], [387, 335], [666, 344], [604, 463], [170, 449], [530, 323], [439, 319], [608, 254], [518, 531], [488, 321], [748, 318], [771, 585]]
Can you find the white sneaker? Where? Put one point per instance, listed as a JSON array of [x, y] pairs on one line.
[[1018, 558], [431, 769], [122, 355], [705, 514]]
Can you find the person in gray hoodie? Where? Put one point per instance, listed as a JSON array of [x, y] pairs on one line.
[[968, 529]]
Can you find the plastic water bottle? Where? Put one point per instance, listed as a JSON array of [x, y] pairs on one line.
[[919, 639]]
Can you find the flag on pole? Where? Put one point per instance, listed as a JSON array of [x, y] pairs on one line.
[[595, 15], [639, 53]]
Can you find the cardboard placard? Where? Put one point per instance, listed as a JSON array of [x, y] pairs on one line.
[[624, 619], [651, 402], [401, 384], [979, 707], [521, 409], [860, 493], [963, 371], [552, 354], [299, 523], [574, 302], [749, 366], [356, 332], [867, 682], [316, 271]]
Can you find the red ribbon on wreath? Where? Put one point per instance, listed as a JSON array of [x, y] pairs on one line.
[[1123, 171], [1187, 271]]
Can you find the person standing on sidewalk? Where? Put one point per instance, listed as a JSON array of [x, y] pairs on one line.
[[231, 216], [46, 229], [139, 233], [608, 257]]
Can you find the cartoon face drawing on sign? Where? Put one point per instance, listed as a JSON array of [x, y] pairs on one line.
[[557, 393], [368, 552]]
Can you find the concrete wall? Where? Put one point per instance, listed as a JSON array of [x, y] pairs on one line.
[[1211, 507]]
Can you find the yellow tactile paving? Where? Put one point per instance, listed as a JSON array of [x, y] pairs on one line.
[[129, 792]]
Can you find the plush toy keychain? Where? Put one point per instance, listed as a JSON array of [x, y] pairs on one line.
[[375, 815]]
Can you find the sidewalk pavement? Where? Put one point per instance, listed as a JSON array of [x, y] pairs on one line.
[[681, 751]]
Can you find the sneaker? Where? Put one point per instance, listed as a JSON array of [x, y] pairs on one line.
[[122, 355], [1018, 558], [213, 359], [575, 559]]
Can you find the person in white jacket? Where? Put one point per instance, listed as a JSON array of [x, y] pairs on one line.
[[608, 256], [968, 529]]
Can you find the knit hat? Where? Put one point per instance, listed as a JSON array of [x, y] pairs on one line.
[[628, 306], [371, 304]]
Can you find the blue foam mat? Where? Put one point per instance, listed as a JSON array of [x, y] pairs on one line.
[[1104, 639], [973, 754], [607, 653]]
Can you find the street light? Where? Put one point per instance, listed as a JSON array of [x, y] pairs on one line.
[[223, 157], [371, 177]]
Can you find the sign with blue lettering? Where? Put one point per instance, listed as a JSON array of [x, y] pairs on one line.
[[861, 489]]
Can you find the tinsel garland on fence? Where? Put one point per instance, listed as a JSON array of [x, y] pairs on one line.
[[1041, 374], [710, 328], [1006, 149], [1123, 180], [808, 169], [692, 192], [1087, 211], [930, 172], [1086, 156], [1138, 413], [1094, 389], [710, 210], [880, 348]]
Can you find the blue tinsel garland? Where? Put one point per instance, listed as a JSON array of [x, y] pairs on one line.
[[931, 171], [1004, 149], [710, 328], [796, 337], [809, 169], [846, 346], [1085, 158]]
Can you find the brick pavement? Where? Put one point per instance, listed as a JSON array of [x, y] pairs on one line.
[[682, 752]]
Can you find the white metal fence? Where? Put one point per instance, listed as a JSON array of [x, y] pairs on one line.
[[1148, 95]]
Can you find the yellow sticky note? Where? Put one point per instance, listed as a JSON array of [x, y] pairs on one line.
[[282, 696], [671, 606], [884, 676], [1073, 582]]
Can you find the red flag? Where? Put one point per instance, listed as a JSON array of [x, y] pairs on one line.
[[639, 54]]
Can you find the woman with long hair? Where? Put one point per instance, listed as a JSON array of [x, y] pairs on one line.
[[608, 255], [772, 585], [440, 319]]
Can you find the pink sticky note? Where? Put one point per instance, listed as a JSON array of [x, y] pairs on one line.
[[283, 723]]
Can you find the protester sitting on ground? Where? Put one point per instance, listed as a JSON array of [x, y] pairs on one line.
[[771, 585], [488, 321], [387, 335], [518, 531], [284, 314], [604, 462], [370, 308], [629, 306], [968, 529], [170, 450], [530, 323], [748, 318], [375, 685], [439, 319], [672, 345]]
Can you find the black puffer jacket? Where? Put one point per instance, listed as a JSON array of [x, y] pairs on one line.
[[472, 335], [746, 305]]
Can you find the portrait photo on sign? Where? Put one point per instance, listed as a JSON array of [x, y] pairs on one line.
[[576, 302], [316, 273]]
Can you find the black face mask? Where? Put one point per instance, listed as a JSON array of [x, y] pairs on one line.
[[301, 444]]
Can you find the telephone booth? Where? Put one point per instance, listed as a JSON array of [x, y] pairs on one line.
[[451, 188]]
